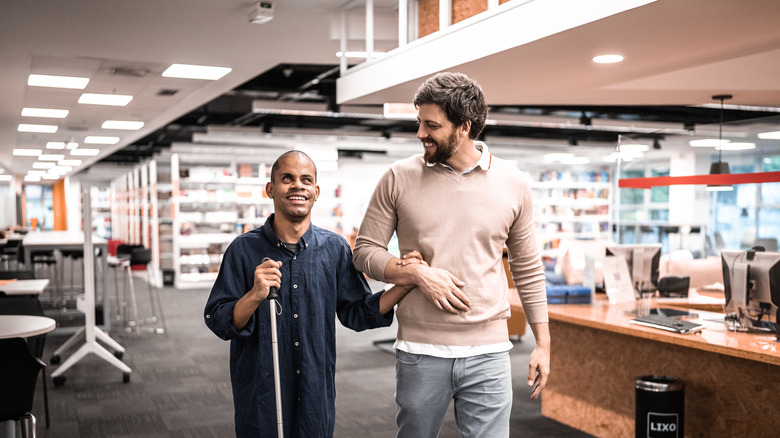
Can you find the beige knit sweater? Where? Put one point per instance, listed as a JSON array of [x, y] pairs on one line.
[[460, 223]]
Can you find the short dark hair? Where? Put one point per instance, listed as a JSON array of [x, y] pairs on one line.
[[459, 96], [275, 166]]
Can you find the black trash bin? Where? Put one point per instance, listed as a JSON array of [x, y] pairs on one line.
[[660, 407]]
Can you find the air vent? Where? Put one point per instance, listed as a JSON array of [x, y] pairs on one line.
[[167, 92], [135, 72]]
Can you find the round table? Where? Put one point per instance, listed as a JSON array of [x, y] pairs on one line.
[[24, 326]]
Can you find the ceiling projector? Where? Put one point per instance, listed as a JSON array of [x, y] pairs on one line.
[[262, 12]]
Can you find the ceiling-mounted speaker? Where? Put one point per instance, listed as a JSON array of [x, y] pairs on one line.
[[261, 12]]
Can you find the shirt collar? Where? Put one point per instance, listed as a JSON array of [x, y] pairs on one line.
[[268, 230], [484, 161]]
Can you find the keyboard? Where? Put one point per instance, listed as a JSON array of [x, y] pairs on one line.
[[667, 323]]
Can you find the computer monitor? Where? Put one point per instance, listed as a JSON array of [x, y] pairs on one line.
[[642, 260], [751, 281]]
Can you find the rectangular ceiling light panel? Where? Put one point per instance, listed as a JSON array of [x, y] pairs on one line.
[[188, 71], [105, 99], [45, 112], [71, 82]]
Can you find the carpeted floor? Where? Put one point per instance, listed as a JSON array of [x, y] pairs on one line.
[[180, 386]]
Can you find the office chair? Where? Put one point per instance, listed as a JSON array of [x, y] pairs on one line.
[[29, 305], [18, 373]]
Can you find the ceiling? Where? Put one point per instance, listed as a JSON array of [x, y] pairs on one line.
[[679, 53]]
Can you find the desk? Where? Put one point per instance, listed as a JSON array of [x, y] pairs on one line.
[[24, 326], [25, 287], [731, 379]]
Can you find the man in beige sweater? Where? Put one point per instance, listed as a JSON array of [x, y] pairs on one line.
[[459, 206]]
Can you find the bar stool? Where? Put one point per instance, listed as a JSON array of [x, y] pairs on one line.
[[140, 259], [119, 258]]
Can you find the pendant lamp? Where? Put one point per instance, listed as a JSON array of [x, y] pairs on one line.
[[720, 167]]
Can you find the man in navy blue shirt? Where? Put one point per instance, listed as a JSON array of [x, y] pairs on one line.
[[313, 271]]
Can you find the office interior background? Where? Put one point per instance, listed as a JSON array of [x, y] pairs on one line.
[[180, 164]]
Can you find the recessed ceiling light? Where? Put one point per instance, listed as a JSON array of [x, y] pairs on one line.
[[55, 145], [45, 112], [48, 129], [773, 135], [51, 157], [73, 82], [72, 145], [60, 170], [32, 178], [85, 152], [122, 124], [43, 165], [6, 177], [607, 59], [70, 162], [27, 152], [99, 139], [105, 99], [188, 71]]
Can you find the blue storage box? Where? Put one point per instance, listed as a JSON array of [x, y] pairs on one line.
[[567, 294]]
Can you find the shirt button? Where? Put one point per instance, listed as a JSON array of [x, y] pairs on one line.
[[208, 316], [295, 258], [295, 286], [295, 316], [297, 371], [296, 344]]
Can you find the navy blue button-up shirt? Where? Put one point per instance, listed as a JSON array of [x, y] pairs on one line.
[[317, 283]]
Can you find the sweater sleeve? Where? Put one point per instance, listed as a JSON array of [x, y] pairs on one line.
[[379, 223], [525, 261]]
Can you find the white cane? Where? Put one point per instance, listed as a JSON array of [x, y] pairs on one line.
[[273, 296]]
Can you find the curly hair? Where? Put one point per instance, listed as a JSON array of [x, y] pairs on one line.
[[459, 96]]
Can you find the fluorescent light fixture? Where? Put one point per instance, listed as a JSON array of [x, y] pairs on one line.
[[607, 59], [189, 71], [60, 169], [126, 125], [36, 172], [51, 157], [99, 139], [633, 147], [737, 146], [772, 135], [47, 129], [85, 152], [43, 165], [45, 112], [105, 99], [707, 143], [719, 188], [72, 145], [575, 160], [27, 152], [51, 177], [32, 178], [6, 177], [349, 54], [55, 145], [72, 82], [69, 162]]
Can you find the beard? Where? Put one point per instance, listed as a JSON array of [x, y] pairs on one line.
[[444, 150]]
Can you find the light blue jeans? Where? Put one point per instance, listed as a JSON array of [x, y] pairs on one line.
[[481, 387]]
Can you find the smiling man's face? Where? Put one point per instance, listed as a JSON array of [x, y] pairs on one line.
[[294, 187]]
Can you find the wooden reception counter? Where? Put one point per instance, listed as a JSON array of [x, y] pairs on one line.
[[732, 380]]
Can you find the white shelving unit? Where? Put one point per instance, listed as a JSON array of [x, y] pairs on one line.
[[571, 205], [211, 205]]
